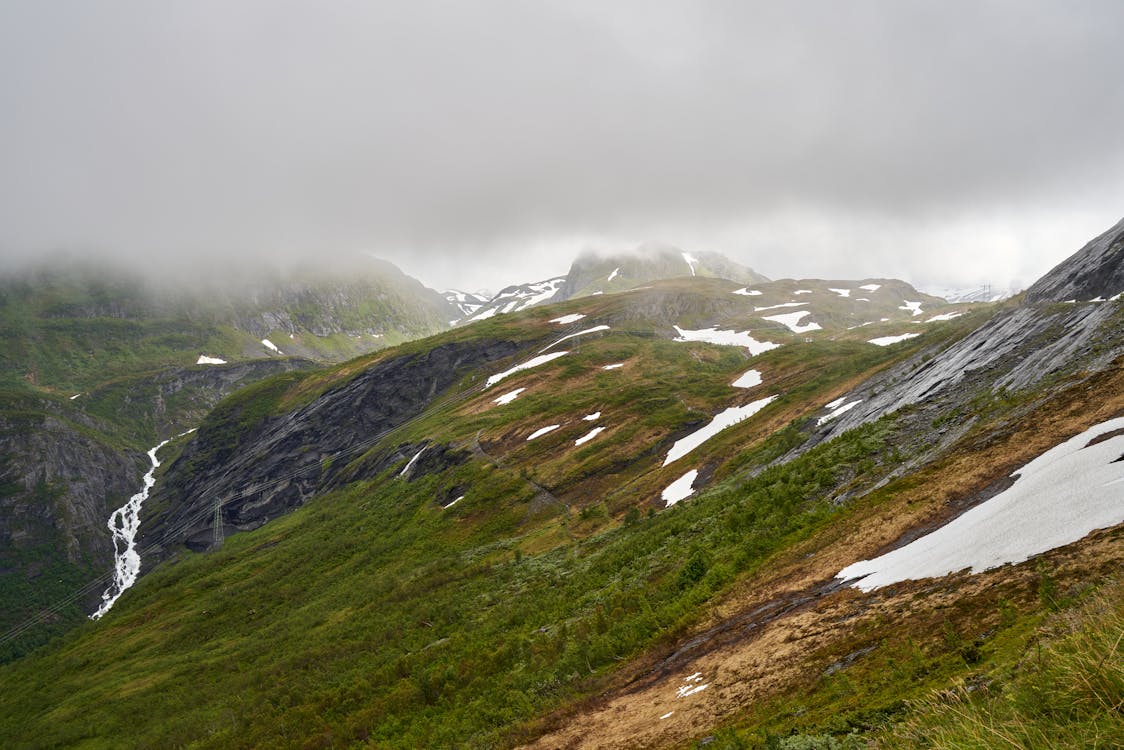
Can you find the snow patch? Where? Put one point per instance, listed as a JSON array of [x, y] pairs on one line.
[[595, 329], [567, 319], [944, 316], [803, 291], [778, 307], [507, 398], [592, 417], [589, 436], [613, 366], [726, 338], [840, 292], [205, 360], [270, 345], [792, 321], [450, 505], [680, 489], [616, 272], [542, 431], [667, 715], [912, 307], [1057, 499], [748, 380], [887, 340], [691, 686], [76, 395], [871, 287], [542, 359], [838, 410], [721, 421], [746, 292]]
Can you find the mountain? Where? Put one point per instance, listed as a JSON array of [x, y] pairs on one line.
[[99, 364], [594, 273], [701, 513]]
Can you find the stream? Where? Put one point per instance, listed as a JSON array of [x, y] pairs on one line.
[[124, 524]]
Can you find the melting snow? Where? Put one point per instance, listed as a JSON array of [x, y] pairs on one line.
[[792, 321], [887, 340], [838, 409], [507, 398], [1058, 498], [913, 307], [592, 417], [595, 329], [691, 686], [589, 436], [542, 359], [803, 291], [835, 404], [616, 272], [748, 380], [613, 366], [871, 287], [205, 360], [840, 292], [270, 345], [485, 315], [691, 261], [542, 431], [567, 319], [680, 489], [721, 421], [727, 338], [778, 307], [748, 292], [944, 316]]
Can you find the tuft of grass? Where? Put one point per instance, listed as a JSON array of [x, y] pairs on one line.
[[1067, 691]]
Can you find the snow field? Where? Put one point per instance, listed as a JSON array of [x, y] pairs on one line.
[[792, 321], [748, 380], [840, 292], [747, 292], [542, 359], [542, 431], [1057, 499], [567, 319], [595, 329], [887, 340], [507, 398], [838, 410], [589, 436], [721, 421], [726, 338], [680, 489], [271, 346], [205, 360]]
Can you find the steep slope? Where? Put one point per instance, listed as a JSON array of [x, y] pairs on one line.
[[588, 525], [98, 365]]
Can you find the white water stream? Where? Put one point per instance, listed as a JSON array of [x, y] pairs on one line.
[[124, 524]]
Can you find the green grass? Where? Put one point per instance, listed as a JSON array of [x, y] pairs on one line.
[[374, 616]]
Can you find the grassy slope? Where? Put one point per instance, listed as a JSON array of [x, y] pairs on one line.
[[485, 614]]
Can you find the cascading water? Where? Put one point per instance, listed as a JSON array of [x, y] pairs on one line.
[[124, 524]]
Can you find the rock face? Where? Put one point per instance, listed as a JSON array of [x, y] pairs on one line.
[[1095, 271], [1016, 350], [273, 465]]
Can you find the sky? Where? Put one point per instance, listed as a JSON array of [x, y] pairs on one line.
[[478, 144]]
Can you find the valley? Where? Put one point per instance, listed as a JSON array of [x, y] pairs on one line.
[[631, 517]]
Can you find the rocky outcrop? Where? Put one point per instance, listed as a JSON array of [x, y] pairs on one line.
[[1094, 272], [261, 470]]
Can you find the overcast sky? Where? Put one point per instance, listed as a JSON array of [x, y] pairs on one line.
[[482, 143]]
